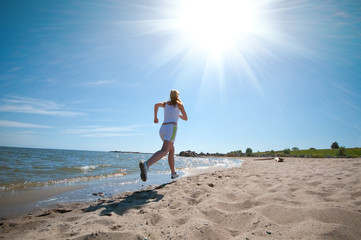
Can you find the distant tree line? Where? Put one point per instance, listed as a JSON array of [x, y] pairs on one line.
[[335, 151], [190, 153]]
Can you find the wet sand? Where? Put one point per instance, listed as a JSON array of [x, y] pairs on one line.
[[17, 202], [295, 199]]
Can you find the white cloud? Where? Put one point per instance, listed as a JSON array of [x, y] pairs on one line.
[[114, 82], [5, 123], [102, 82], [99, 131], [104, 135], [34, 106], [15, 69], [25, 132]]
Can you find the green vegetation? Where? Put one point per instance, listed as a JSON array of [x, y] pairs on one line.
[[314, 153], [335, 151], [334, 145], [310, 153], [287, 151], [341, 152], [249, 151], [237, 153]]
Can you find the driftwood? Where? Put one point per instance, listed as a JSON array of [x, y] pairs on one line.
[[277, 159]]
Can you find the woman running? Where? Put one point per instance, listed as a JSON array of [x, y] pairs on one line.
[[167, 132]]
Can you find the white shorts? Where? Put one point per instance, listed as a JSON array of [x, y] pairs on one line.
[[168, 132]]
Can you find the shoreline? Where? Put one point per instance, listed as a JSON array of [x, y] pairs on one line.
[[18, 202], [294, 199]]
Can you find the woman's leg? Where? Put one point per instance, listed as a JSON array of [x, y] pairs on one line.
[[171, 159], [167, 146]]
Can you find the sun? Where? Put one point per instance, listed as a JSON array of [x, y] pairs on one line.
[[217, 26]]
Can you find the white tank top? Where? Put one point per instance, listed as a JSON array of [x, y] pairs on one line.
[[171, 113]]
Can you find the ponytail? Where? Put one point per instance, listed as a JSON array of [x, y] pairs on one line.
[[174, 97]]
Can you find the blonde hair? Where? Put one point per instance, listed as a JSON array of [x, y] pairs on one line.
[[174, 97]]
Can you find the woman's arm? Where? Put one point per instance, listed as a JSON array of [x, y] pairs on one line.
[[182, 116], [156, 106]]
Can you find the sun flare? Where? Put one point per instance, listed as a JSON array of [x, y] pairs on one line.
[[217, 25]]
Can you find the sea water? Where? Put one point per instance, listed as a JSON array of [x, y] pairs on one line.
[[23, 169]]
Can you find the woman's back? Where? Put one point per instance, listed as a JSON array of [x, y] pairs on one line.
[[171, 113]]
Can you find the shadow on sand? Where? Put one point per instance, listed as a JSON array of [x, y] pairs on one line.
[[126, 202]]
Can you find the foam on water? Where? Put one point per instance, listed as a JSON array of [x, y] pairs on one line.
[[28, 169]]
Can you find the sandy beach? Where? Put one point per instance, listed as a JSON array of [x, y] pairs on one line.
[[295, 199]]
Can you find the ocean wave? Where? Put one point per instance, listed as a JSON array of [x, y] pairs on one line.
[[83, 168], [30, 185], [92, 167]]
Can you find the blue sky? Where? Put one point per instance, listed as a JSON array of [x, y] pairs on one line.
[[86, 74]]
